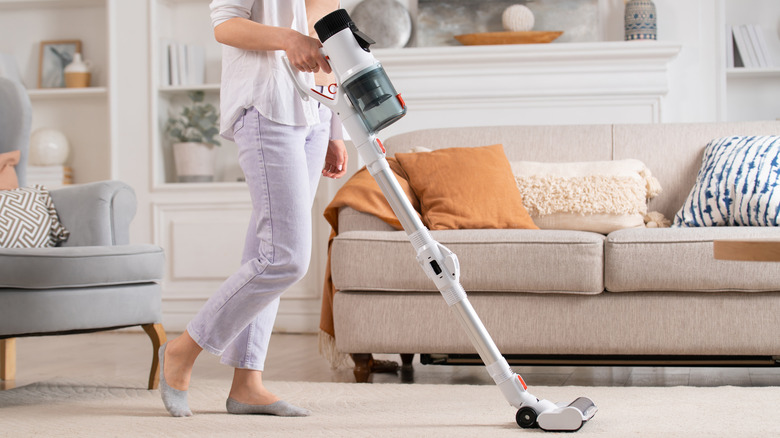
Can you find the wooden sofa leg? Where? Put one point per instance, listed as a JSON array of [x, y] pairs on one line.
[[156, 333], [8, 359], [362, 367], [365, 364]]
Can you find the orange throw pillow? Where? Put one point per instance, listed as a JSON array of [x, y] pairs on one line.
[[466, 188], [8, 161]]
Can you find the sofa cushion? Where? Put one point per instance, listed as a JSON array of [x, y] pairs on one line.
[[681, 259], [598, 196], [737, 184], [47, 268], [462, 188], [543, 261]]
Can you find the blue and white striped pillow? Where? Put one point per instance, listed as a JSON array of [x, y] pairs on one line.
[[738, 184]]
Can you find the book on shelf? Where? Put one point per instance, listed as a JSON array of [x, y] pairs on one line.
[[746, 47], [759, 40], [181, 64], [51, 177]]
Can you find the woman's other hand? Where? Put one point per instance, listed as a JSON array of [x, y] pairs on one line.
[[335, 160]]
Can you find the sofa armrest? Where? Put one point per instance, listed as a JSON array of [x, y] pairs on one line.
[[353, 220], [97, 213]]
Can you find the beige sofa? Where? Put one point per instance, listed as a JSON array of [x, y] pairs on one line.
[[637, 295]]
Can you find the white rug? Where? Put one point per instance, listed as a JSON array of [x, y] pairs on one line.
[[75, 409]]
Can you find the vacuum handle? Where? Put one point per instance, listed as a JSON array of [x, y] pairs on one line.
[[307, 92]]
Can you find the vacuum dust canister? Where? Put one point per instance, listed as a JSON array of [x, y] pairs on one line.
[[362, 77]]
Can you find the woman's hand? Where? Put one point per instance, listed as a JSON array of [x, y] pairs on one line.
[[304, 53], [335, 160]]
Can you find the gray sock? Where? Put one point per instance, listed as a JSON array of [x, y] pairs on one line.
[[175, 401], [280, 408]]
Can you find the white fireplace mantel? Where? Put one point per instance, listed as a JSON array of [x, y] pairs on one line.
[[566, 83]]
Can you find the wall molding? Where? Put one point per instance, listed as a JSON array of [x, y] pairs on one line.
[[605, 82]]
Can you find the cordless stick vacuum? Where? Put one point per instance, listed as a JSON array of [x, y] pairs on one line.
[[366, 102]]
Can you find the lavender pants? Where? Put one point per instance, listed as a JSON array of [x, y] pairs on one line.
[[282, 165]]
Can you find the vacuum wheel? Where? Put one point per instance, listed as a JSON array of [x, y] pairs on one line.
[[526, 418]]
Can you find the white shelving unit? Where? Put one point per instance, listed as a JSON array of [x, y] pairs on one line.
[[750, 93], [183, 21], [81, 114]]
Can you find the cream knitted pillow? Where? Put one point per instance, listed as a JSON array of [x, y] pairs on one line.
[[598, 196]]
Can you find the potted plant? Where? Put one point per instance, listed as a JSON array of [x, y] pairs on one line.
[[193, 133]]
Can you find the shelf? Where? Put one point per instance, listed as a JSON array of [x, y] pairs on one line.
[[180, 89], [751, 73], [66, 93], [212, 186], [48, 4]]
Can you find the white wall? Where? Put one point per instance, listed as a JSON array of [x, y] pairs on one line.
[[694, 74]]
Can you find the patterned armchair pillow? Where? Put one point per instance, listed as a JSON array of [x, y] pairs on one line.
[[28, 219]]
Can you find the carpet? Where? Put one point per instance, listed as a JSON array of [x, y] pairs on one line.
[[77, 409]]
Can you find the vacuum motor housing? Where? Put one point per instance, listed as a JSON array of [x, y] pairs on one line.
[[362, 77]]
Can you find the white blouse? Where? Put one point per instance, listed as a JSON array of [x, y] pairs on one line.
[[258, 78]]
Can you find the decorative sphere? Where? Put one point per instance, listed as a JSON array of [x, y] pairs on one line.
[[518, 18], [48, 147]]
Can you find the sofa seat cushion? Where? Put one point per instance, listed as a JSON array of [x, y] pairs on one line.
[[49, 268], [540, 261], [681, 259]]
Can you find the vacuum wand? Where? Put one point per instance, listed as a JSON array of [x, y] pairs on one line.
[[366, 102]]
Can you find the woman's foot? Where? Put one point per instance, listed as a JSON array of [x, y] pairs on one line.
[[249, 396], [279, 408], [175, 400], [176, 361]]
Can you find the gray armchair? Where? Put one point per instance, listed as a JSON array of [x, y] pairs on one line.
[[95, 280]]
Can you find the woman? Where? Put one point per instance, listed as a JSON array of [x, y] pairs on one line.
[[282, 142]]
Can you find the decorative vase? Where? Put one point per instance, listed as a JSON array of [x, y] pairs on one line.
[[48, 147], [77, 73], [194, 161], [640, 20]]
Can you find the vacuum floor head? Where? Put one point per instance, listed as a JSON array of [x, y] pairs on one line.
[[562, 418]]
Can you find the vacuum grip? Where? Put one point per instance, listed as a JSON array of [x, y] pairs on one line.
[[302, 90], [305, 91]]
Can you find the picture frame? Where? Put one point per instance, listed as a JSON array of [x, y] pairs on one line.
[[54, 56]]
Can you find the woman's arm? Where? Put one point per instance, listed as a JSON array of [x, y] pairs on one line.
[[302, 51]]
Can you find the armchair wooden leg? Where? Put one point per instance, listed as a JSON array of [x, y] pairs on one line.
[[156, 333], [8, 359]]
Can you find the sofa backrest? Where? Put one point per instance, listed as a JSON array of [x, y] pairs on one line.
[[530, 143], [672, 151]]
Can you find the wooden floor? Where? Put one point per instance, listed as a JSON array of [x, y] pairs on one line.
[[125, 355]]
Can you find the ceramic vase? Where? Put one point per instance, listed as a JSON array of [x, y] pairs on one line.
[[640, 20], [77, 73], [194, 161]]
